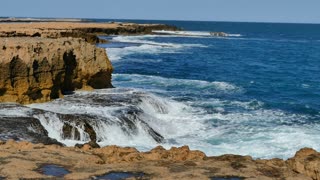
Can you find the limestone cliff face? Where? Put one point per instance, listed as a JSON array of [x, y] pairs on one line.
[[41, 69]]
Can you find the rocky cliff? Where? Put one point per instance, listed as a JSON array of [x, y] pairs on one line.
[[40, 69], [42, 61]]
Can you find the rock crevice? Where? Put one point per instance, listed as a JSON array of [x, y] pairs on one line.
[[42, 69]]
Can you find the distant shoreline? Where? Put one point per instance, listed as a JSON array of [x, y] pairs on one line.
[[13, 19], [48, 19]]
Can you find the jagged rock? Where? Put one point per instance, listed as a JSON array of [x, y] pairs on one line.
[[88, 146], [24, 128], [40, 69], [114, 154], [306, 161], [176, 163]]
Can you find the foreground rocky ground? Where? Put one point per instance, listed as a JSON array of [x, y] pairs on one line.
[[23, 160]]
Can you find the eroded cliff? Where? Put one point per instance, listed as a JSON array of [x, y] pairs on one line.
[[42, 61], [41, 69]]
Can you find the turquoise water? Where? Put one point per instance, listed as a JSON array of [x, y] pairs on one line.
[[254, 92]]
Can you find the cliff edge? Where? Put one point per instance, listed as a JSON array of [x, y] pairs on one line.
[[41, 69], [41, 61]]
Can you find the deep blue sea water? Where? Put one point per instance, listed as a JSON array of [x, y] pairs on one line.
[[254, 92]]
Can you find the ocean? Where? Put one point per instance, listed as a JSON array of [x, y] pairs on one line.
[[254, 92]]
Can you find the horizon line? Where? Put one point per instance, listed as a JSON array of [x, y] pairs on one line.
[[138, 19]]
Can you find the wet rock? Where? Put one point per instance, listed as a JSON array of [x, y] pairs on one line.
[[24, 128], [73, 122], [70, 132]]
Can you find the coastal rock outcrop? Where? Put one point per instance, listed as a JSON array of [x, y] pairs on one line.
[[306, 161], [115, 154], [42, 61], [87, 31], [41, 69], [159, 163], [23, 128]]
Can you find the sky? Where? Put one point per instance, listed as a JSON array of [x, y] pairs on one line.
[[293, 11]]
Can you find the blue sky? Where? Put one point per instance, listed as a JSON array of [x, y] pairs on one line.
[[300, 11]]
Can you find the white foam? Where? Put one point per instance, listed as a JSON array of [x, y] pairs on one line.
[[171, 121], [184, 33], [167, 82], [145, 46], [146, 39], [14, 111], [165, 116], [234, 35], [192, 33], [261, 133], [116, 54], [255, 131]]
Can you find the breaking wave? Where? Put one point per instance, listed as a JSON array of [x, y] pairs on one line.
[[157, 82], [191, 33], [132, 117], [142, 44]]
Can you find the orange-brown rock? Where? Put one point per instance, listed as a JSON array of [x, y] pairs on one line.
[[42, 61], [41, 69], [176, 163], [115, 154], [87, 31], [306, 161]]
